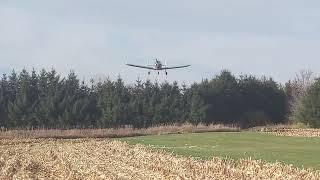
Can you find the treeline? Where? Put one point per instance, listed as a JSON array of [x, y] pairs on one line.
[[47, 100]]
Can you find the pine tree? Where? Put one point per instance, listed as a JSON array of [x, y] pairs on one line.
[[21, 109], [106, 102], [3, 101], [69, 106], [198, 110]]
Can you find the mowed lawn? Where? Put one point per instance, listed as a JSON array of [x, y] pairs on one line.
[[299, 151]]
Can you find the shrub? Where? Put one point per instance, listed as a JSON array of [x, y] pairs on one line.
[[308, 109], [252, 119]]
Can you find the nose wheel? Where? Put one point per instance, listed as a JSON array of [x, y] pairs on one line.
[[166, 73]]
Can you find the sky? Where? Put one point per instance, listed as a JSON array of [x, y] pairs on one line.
[[96, 38]]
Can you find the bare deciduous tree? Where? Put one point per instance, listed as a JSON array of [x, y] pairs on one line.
[[297, 88]]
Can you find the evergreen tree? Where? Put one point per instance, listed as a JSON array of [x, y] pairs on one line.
[[69, 105], [21, 110], [198, 110], [3, 101]]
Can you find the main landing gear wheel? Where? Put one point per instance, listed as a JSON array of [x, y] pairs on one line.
[[166, 73], [149, 73]]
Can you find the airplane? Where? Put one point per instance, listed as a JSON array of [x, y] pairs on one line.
[[158, 66]]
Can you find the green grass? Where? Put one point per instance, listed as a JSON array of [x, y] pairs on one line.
[[299, 151]]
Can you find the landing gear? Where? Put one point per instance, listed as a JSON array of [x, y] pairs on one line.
[[158, 72], [166, 73], [149, 73]]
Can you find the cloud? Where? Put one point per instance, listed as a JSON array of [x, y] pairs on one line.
[[96, 38]]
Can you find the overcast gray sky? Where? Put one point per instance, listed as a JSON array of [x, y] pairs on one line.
[[95, 38]]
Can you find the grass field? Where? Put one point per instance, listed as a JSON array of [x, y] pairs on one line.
[[299, 151]]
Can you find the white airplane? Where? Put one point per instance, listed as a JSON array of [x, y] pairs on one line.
[[158, 66]]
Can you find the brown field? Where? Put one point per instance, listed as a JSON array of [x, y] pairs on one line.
[[296, 132], [111, 133], [108, 159]]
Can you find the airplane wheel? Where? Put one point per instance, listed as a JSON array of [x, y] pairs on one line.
[[166, 73], [149, 73], [158, 73]]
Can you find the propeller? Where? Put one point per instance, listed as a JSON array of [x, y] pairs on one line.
[[150, 63], [126, 59]]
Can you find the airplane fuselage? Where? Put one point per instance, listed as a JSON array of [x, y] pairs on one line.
[[158, 65]]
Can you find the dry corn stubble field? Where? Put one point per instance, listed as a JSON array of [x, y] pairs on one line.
[[296, 132], [108, 159]]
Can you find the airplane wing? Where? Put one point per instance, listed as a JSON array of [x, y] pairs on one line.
[[176, 67], [144, 67]]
